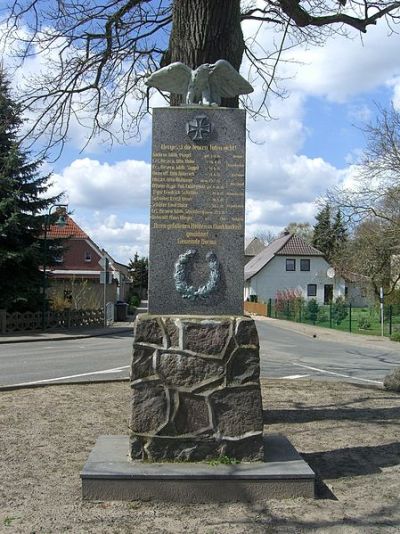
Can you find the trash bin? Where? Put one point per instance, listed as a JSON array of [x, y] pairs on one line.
[[121, 311]]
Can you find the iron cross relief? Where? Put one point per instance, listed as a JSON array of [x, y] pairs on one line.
[[198, 128]]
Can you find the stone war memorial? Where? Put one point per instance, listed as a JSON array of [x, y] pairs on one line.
[[195, 377]]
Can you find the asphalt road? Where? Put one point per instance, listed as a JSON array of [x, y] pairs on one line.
[[94, 358], [284, 354], [288, 354]]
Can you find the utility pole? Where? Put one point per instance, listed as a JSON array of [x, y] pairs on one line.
[[60, 222], [104, 280]]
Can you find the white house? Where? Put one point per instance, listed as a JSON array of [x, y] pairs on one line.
[[289, 262]]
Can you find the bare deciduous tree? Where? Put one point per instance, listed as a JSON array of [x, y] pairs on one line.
[[301, 229], [375, 192], [98, 53], [266, 236], [371, 252], [372, 205]]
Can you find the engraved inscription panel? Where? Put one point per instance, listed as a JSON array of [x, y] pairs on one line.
[[197, 203]]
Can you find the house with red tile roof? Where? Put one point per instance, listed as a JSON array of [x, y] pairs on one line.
[[74, 278], [290, 263]]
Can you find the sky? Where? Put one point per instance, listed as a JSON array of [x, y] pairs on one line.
[[311, 144]]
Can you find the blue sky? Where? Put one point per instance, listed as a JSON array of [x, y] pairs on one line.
[[312, 144]]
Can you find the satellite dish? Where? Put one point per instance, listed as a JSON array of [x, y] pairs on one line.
[[330, 273]]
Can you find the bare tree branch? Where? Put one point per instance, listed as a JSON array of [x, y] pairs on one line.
[[96, 55], [372, 204]]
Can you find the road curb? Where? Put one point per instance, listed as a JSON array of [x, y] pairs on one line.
[[48, 384], [65, 337]]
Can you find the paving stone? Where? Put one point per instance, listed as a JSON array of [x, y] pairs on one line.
[[243, 366], [150, 408], [142, 362], [193, 415], [148, 331], [172, 331], [180, 369], [136, 448], [237, 410], [246, 332], [247, 449], [181, 449], [206, 337]]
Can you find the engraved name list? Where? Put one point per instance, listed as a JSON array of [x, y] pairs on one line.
[[197, 203]]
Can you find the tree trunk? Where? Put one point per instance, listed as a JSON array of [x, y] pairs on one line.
[[204, 31]]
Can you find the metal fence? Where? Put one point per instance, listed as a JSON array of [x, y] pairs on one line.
[[339, 315], [28, 321]]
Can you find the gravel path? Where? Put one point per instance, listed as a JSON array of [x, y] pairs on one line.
[[348, 434]]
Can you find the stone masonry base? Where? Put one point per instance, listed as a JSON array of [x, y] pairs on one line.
[[195, 389]]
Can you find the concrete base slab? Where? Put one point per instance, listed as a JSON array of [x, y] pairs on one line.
[[110, 475]]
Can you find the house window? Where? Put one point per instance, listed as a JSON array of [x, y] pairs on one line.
[[57, 252], [88, 256], [304, 264], [290, 264], [312, 290], [363, 292]]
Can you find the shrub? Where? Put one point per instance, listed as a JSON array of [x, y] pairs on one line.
[[312, 310], [134, 301], [289, 302], [59, 302], [395, 336], [364, 323], [322, 316], [339, 310]]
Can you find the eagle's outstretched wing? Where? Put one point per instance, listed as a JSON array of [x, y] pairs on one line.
[[173, 78], [226, 81]]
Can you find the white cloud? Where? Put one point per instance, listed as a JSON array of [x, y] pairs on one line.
[[344, 67], [258, 210], [395, 84], [307, 177], [91, 184], [360, 113], [283, 184], [274, 214], [120, 233], [121, 239], [279, 174]]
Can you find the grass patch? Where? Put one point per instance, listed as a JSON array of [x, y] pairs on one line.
[[223, 460], [8, 521]]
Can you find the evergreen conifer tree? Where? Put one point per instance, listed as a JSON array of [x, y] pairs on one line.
[[139, 268], [330, 233], [339, 231], [22, 202], [322, 239]]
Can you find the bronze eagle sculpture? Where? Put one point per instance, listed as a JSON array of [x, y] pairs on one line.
[[205, 85]]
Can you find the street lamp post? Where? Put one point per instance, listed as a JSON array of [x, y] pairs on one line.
[[141, 281], [61, 222]]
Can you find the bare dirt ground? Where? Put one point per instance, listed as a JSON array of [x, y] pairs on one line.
[[347, 433]]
